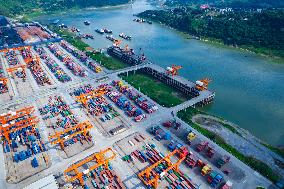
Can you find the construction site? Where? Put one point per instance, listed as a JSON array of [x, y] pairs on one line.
[[68, 122]]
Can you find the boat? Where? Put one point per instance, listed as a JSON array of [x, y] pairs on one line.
[[107, 31], [87, 23], [87, 36], [55, 22], [110, 37], [100, 31], [140, 20], [127, 37]]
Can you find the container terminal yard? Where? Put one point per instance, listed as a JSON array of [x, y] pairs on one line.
[[67, 122]]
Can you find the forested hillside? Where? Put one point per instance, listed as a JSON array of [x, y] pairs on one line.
[[230, 3], [16, 7], [261, 32]]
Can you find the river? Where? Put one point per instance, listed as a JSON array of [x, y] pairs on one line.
[[249, 89]]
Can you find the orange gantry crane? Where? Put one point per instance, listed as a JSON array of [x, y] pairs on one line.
[[15, 49], [150, 178], [4, 81], [16, 126], [6, 117], [126, 48], [202, 84], [101, 158], [61, 137], [16, 68], [117, 42], [173, 70], [9, 124], [94, 93]]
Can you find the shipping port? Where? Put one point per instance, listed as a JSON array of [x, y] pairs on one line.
[[69, 122]]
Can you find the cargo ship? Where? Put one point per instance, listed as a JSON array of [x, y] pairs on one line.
[[128, 57], [127, 37], [107, 30], [87, 23], [100, 31]]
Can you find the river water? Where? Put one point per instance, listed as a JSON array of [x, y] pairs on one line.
[[249, 89]]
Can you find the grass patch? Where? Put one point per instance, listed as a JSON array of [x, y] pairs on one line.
[[277, 150], [108, 62], [261, 167], [160, 92]]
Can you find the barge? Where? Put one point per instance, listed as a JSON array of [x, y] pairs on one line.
[[127, 37], [128, 57]]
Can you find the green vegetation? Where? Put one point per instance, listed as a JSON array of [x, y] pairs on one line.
[[260, 32], [19, 7], [108, 62], [277, 150], [163, 94], [229, 3], [255, 164]]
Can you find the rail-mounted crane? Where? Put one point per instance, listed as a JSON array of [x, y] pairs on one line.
[[202, 84], [101, 158], [67, 134], [151, 178], [173, 70]]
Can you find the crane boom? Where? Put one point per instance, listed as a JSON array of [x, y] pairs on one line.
[[100, 159], [150, 177]]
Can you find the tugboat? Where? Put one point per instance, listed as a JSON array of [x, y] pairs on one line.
[[87, 23], [107, 31], [127, 37], [100, 31]]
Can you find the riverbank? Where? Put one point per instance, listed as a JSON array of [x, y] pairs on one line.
[[28, 17], [220, 44], [261, 166], [198, 27]]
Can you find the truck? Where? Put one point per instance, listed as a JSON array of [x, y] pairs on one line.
[[227, 185], [206, 170], [214, 178], [201, 146], [223, 160]]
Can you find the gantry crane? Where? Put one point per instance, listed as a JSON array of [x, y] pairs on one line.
[[16, 68], [100, 159], [202, 84], [4, 82], [16, 126], [150, 178], [173, 70], [126, 48], [15, 49], [6, 117], [117, 42], [94, 93], [61, 137]]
